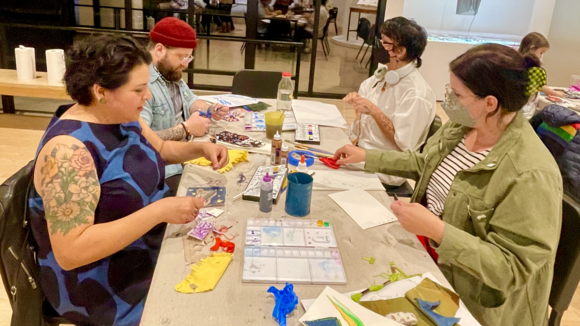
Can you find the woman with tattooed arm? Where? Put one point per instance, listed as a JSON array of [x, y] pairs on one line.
[[100, 203]]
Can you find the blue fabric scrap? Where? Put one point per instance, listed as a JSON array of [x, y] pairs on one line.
[[286, 301]]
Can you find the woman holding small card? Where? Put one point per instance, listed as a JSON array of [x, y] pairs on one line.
[[488, 195]]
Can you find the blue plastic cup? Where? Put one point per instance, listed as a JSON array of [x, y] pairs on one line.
[[299, 194]]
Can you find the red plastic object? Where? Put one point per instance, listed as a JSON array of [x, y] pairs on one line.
[[225, 245], [554, 99], [330, 162]]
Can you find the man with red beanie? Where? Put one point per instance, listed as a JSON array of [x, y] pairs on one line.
[[174, 112]]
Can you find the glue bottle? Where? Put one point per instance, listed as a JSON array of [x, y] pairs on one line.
[[284, 155], [302, 165], [266, 188], [276, 147]]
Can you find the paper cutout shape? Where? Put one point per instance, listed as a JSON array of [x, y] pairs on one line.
[[212, 196], [429, 307], [330, 303], [206, 274], [331, 321]]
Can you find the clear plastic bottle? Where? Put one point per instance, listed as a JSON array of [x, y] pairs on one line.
[[266, 188], [285, 91]]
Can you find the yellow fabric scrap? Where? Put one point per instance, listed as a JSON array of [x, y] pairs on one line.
[[207, 274], [236, 156]]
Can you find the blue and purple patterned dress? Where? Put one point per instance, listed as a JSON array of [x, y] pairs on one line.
[[131, 173]]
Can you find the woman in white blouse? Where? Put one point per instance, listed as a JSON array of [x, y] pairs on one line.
[[395, 106]]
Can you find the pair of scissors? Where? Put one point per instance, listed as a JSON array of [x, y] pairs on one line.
[[330, 162]]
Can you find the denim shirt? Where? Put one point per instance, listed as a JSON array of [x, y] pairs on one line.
[[159, 112]]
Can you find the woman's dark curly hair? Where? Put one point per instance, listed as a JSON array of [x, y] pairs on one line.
[[105, 60], [408, 34]]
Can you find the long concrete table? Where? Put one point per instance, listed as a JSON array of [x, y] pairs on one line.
[[233, 302]]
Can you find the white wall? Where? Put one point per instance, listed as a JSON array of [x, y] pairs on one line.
[[510, 17], [563, 59]]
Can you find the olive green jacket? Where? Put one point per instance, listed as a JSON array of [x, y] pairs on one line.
[[502, 221]]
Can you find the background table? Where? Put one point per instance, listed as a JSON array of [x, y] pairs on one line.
[[10, 86], [233, 302], [359, 9]]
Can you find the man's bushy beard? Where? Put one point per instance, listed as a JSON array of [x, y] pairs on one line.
[[167, 72]]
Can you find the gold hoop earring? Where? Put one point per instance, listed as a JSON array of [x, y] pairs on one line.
[[103, 100]]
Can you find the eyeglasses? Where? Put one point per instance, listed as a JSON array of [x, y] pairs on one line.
[[185, 59], [387, 43]]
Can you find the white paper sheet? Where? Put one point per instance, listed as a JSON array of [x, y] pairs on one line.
[[364, 209], [346, 180], [316, 113], [323, 308], [231, 100], [398, 290]]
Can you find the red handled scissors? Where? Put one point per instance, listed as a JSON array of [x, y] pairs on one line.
[[330, 162]]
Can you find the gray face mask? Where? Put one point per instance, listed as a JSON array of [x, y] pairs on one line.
[[456, 111]]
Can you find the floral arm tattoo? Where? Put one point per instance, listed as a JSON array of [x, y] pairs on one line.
[[173, 133], [70, 187]]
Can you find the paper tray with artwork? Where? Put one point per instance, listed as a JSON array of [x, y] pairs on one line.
[[292, 250]]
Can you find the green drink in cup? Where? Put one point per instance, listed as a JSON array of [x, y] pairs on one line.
[[274, 123]]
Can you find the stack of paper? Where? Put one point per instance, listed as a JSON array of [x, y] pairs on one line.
[[398, 290], [316, 113], [364, 209], [331, 304]]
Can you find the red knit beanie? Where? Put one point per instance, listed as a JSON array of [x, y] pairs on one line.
[[174, 32]]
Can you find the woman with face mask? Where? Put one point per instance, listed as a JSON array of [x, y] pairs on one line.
[[489, 194], [534, 46]]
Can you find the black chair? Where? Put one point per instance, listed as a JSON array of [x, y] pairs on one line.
[[18, 266], [405, 190], [364, 31], [332, 15], [257, 84], [323, 39], [279, 30], [567, 265]]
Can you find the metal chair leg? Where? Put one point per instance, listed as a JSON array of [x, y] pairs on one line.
[[324, 50], [361, 47], [335, 28], [363, 57], [555, 318]]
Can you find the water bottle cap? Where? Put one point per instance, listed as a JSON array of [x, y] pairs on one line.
[[267, 177], [286, 74], [277, 136]]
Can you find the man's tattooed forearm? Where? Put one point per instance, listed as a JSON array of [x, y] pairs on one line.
[[174, 133]]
